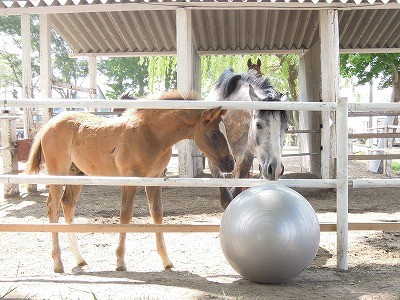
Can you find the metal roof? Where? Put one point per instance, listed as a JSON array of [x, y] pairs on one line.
[[147, 28]]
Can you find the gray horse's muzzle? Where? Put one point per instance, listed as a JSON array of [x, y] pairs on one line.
[[271, 171]]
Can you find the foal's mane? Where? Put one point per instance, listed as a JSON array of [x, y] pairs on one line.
[[177, 95], [228, 82], [168, 95]]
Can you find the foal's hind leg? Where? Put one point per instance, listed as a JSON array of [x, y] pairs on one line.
[[126, 213], [68, 202], [225, 194], [154, 197], [53, 208]]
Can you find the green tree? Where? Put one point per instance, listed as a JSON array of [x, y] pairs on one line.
[[65, 69], [162, 73], [365, 67], [125, 74], [11, 27]]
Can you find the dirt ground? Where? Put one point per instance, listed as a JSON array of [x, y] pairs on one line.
[[201, 271]]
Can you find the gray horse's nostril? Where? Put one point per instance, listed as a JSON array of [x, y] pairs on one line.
[[270, 169]]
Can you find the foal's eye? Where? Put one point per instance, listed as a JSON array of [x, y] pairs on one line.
[[258, 125], [214, 135]]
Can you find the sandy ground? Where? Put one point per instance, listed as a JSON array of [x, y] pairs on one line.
[[201, 271]]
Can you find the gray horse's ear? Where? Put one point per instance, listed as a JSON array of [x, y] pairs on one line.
[[258, 62], [285, 97], [252, 93]]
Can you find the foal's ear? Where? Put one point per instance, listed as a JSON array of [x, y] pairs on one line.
[[210, 115], [258, 62]]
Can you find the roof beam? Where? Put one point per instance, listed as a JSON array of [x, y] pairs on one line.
[[140, 6]]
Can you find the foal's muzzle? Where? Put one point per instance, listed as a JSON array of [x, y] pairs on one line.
[[227, 164]]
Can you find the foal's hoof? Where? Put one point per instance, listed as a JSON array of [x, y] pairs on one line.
[[82, 263], [120, 268], [59, 270], [168, 266]]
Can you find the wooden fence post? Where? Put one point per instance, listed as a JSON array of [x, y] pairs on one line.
[[8, 136]]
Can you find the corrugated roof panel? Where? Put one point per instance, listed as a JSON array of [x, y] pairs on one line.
[[300, 34], [311, 33], [221, 30], [107, 42], [140, 33], [390, 18], [68, 33], [93, 32]]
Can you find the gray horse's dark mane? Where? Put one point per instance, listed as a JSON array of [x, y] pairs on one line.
[[228, 82]]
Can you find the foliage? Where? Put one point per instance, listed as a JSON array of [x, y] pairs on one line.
[[275, 67], [10, 26], [65, 69], [162, 73], [396, 167], [125, 74], [364, 67]]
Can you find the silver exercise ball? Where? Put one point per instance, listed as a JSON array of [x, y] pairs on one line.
[[269, 234]]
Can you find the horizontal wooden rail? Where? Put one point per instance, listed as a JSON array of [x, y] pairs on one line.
[[374, 135], [167, 181], [374, 156], [137, 228], [190, 182], [169, 104]]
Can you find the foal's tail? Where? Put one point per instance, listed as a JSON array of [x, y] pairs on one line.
[[35, 155]]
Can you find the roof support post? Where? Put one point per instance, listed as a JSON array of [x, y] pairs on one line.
[[45, 62], [309, 91], [342, 191], [27, 73], [329, 37], [188, 75]]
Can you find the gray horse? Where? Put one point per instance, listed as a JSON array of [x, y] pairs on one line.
[[250, 133]]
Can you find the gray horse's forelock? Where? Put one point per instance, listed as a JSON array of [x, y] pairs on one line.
[[228, 82]]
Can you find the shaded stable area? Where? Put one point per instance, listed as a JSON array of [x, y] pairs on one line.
[[318, 32]]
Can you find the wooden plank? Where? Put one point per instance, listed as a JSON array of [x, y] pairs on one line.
[[374, 156], [137, 228], [374, 135]]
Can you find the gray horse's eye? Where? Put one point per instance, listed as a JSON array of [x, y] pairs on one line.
[[258, 125]]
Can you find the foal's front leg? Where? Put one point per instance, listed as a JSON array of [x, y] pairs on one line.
[[154, 197], [126, 213]]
